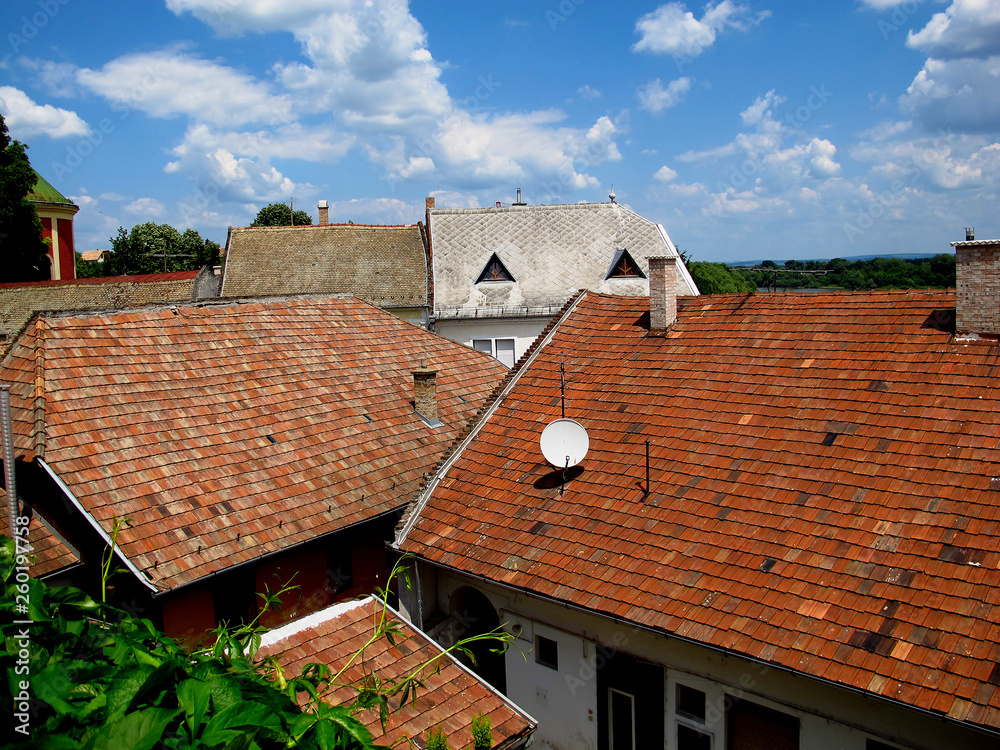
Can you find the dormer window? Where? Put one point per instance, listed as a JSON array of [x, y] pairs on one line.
[[494, 270], [624, 267]]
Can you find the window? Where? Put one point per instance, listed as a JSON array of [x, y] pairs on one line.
[[502, 349], [546, 652], [690, 709], [624, 267], [494, 270], [621, 720]]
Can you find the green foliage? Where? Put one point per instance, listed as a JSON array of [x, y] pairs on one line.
[[280, 215], [98, 678], [159, 248], [937, 272], [718, 278], [88, 269], [482, 731], [436, 740], [25, 253]]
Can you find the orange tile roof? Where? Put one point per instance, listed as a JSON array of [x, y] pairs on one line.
[[49, 553], [228, 430], [824, 485], [450, 698]]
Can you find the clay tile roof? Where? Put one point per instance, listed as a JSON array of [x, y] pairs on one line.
[[450, 698], [384, 265], [18, 302], [551, 251], [49, 553], [230, 429], [824, 478]]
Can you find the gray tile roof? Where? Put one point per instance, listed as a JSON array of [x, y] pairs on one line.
[[18, 302], [384, 265], [551, 251]]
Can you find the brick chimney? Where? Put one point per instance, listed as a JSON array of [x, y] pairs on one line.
[[977, 286], [324, 212], [425, 394], [662, 292]]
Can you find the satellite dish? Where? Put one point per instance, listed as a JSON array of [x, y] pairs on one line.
[[564, 443]]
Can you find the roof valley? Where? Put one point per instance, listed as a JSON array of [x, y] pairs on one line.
[[38, 402]]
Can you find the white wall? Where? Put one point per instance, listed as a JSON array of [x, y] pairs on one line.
[[524, 331], [565, 702]]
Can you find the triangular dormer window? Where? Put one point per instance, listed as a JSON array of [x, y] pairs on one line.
[[624, 267], [494, 270]]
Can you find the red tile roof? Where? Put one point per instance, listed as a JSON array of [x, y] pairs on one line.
[[49, 553], [823, 490], [450, 698], [228, 430]]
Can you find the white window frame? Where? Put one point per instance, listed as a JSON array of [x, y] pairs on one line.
[[494, 350]]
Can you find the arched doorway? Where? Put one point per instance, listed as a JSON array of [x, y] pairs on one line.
[[471, 613]]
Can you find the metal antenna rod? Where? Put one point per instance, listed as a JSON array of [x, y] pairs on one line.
[[562, 386], [647, 470]]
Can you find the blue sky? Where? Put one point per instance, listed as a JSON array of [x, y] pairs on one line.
[[750, 130]]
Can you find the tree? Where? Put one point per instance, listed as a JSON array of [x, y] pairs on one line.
[[718, 278], [23, 251], [280, 215], [159, 248]]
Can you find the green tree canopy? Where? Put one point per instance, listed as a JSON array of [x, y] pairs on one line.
[[718, 278], [280, 215], [159, 248], [23, 252]]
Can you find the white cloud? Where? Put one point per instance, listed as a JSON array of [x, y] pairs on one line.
[[665, 174], [26, 118], [883, 4], [943, 162], [653, 97], [150, 208], [956, 94], [588, 92], [168, 83], [229, 166], [672, 29], [967, 28]]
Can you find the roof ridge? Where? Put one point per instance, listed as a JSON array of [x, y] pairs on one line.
[[38, 400], [143, 277]]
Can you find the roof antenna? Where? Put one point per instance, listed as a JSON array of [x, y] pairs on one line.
[[562, 386], [646, 494]]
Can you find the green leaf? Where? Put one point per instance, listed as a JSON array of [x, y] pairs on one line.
[[54, 685], [136, 731], [194, 696], [239, 719]]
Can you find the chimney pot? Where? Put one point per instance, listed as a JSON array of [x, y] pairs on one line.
[[425, 393], [324, 212], [970, 234], [662, 292]]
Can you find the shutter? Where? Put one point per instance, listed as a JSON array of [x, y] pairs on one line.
[[753, 727]]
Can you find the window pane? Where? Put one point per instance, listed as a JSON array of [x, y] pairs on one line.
[[483, 345], [691, 703], [505, 351], [622, 710], [692, 739], [546, 652]]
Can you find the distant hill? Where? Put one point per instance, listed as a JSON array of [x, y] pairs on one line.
[[901, 256]]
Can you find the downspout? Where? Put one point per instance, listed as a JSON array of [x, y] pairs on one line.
[[8, 461], [97, 527]]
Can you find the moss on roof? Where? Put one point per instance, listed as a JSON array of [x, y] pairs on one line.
[[45, 193]]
